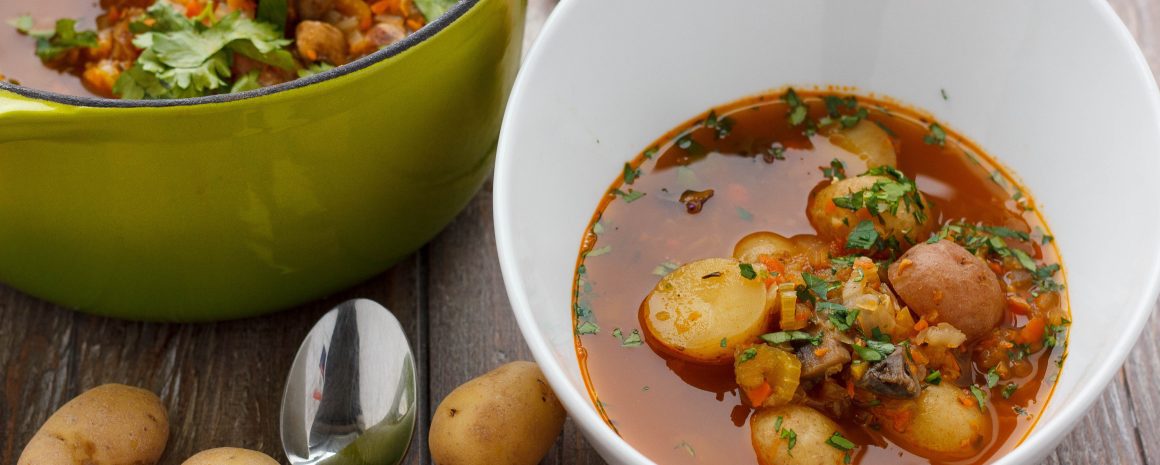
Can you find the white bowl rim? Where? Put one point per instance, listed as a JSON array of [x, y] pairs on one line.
[[579, 405]]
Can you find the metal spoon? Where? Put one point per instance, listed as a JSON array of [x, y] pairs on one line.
[[350, 396]]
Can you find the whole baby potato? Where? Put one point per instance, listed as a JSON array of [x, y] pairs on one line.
[[772, 428], [230, 456], [111, 424], [507, 416], [945, 421], [908, 224], [943, 282]]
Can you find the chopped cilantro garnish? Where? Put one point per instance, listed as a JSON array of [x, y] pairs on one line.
[[63, 38], [791, 437], [598, 251], [633, 340], [630, 173], [651, 152], [724, 342], [1025, 260], [744, 214], [841, 317], [1020, 411], [777, 424], [664, 269], [943, 92], [797, 109], [992, 378], [934, 377], [839, 442], [868, 354], [776, 151], [837, 170], [1009, 390], [747, 271], [980, 396], [630, 196], [748, 354], [937, 135], [863, 236], [587, 327], [818, 286]]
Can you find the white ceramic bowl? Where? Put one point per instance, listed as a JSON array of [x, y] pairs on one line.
[[1058, 91]]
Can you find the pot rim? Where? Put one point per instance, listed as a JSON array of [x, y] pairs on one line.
[[426, 32]]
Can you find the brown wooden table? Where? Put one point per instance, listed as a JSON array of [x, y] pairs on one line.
[[223, 382]]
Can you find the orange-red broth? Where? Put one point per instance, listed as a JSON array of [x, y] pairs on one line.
[[676, 412]]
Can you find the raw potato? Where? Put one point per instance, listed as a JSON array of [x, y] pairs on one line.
[[697, 306], [812, 429], [111, 424], [835, 223], [750, 247], [946, 422], [869, 142], [230, 456], [943, 282], [509, 415]]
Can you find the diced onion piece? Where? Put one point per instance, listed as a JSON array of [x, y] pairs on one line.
[[941, 335]]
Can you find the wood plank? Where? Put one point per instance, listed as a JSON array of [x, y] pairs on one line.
[[222, 383]]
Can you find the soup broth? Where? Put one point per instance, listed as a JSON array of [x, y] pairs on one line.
[[763, 171]]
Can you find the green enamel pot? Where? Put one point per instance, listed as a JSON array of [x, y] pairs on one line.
[[232, 206]]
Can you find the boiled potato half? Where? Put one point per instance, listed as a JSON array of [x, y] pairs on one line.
[[908, 225], [943, 282], [703, 310], [772, 428], [111, 424], [750, 248], [230, 456], [869, 142], [945, 421], [509, 415]]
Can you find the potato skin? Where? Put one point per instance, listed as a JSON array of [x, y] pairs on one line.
[[943, 282], [835, 223], [230, 456], [946, 422], [111, 424], [812, 429], [509, 415]]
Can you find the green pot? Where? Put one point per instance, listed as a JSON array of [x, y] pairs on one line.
[[231, 206]]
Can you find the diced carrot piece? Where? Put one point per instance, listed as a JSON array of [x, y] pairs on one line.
[[1033, 331], [381, 7], [821, 351], [414, 24], [1018, 305], [921, 325], [194, 8], [758, 395]]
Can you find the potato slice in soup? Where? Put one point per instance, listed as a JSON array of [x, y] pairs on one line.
[[869, 142], [704, 309]]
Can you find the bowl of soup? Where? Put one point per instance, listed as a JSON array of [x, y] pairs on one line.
[[184, 160], [791, 233]]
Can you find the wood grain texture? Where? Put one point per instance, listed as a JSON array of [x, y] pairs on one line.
[[222, 382]]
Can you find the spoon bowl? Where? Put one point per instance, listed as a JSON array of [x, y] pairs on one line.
[[350, 396]]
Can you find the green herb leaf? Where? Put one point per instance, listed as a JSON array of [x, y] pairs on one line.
[[944, 94], [1025, 260], [791, 437], [934, 377], [651, 152], [868, 354], [992, 378], [633, 340], [980, 396], [748, 354], [863, 236], [630, 196], [248, 81], [274, 12], [1009, 390], [820, 287], [841, 317], [744, 214], [837, 170], [434, 8], [839, 442], [664, 269], [937, 135], [747, 271], [65, 37], [630, 173], [777, 424], [724, 342], [587, 327], [598, 251], [316, 68]]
